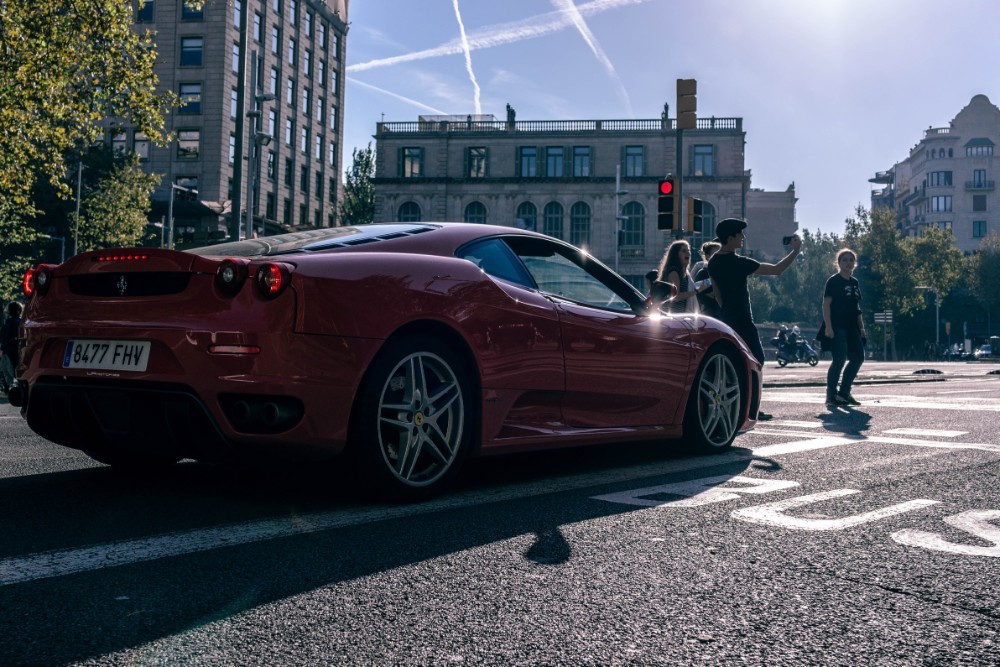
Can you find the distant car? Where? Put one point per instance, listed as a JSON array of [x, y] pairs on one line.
[[405, 346], [984, 351]]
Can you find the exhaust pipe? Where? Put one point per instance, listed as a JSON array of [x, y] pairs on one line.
[[18, 394]]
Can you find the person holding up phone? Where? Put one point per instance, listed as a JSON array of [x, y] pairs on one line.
[[730, 271]]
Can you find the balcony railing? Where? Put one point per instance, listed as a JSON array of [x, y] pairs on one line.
[[550, 126], [980, 185]]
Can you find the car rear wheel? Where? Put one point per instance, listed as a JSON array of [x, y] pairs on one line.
[[412, 425], [714, 408]]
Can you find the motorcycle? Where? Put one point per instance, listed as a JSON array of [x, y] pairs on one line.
[[798, 352]]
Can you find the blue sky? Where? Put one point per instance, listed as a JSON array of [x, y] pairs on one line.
[[830, 91]]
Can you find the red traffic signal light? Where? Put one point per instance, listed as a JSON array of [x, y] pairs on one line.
[[665, 204]]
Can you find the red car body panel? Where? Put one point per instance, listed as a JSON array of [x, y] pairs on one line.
[[549, 372]]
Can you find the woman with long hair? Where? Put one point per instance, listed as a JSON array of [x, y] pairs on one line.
[[675, 269], [845, 330]]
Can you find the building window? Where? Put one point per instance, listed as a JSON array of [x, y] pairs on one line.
[[945, 225], [978, 228], [293, 10], [978, 151], [286, 213], [307, 62], [633, 230], [188, 144], [579, 224], [271, 171], [289, 131], [291, 52], [305, 101], [119, 140], [304, 178], [978, 203], [288, 172], [319, 187], [322, 35], [526, 216], [635, 157], [412, 162], [237, 10], [318, 148], [303, 215], [140, 145], [333, 117], [941, 203], [272, 119], [232, 149], [475, 212], [304, 140], [321, 72], [257, 22], [233, 103], [332, 154], [704, 161], [190, 14], [940, 178], [552, 219], [272, 206], [275, 39], [191, 48], [333, 190], [333, 79], [477, 162], [409, 212], [274, 81], [527, 162], [581, 161], [190, 94], [336, 45], [979, 178], [554, 158], [307, 22], [236, 58], [290, 93], [276, 6], [319, 108], [145, 13]]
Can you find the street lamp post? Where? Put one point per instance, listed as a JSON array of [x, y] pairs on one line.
[[257, 139], [170, 212], [937, 314]]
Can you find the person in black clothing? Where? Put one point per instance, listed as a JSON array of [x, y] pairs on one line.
[[730, 271], [8, 345], [845, 330], [706, 302]]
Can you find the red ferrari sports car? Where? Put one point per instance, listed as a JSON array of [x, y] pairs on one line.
[[406, 347]]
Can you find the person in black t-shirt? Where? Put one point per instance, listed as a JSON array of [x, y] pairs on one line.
[[730, 271], [845, 330], [9, 345]]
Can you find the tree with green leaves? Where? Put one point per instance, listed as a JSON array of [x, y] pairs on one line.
[[358, 206], [65, 66], [986, 276]]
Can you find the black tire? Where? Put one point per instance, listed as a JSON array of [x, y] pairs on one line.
[[781, 362], [413, 426], [813, 360], [715, 405]]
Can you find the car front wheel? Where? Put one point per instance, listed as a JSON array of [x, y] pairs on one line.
[[714, 408], [412, 423]]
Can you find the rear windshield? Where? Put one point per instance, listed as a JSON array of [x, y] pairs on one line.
[[312, 240]]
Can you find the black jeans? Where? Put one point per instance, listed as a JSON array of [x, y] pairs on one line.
[[846, 347]]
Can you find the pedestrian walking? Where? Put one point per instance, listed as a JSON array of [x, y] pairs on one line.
[[845, 330], [730, 271], [9, 346]]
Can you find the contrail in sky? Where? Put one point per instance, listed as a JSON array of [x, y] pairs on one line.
[[468, 59], [573, 12], [415, 103], [500, 34]]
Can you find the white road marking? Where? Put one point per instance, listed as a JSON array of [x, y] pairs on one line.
[[888, 401], [930, 433], [798, 424], [967, 391], [697, 492], [773, 514], [976, 522]]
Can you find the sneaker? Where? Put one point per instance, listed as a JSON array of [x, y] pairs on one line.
[[847, 399], [764, 416]]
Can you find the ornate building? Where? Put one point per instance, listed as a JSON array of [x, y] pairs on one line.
[[571, 179]]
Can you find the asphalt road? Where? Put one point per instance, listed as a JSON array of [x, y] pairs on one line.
[[861, 536]]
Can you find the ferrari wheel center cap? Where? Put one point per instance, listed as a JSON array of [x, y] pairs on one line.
[[418, 419]]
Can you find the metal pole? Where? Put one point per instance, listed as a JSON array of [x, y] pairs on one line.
[[618, 222], [79, 189], [170, 219], [241, 81], [937, 319], [679, 186], [254, 113]]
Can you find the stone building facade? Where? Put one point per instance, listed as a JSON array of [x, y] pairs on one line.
[[298, 50], [948, 179], [567, 178]]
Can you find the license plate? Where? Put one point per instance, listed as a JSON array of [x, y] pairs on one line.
[[109, 355]]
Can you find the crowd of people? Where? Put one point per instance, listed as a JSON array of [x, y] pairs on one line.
[[717, 285]]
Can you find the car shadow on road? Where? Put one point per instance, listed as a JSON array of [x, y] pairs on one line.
[[83, 616]]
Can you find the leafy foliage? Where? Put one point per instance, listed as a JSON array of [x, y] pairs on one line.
[[358, 206]]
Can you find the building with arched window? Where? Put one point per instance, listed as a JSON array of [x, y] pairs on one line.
[[593, 183]]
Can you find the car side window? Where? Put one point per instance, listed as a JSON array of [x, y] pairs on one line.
[[496, 259], [556, 271]]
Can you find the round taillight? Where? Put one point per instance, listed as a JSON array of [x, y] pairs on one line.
[[272, 279], [230, 276], [37, 280]]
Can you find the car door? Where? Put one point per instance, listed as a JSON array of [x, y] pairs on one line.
[[624, 366]]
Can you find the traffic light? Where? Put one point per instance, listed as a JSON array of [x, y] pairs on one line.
[[665, 204], [693, 214], [687, 104]]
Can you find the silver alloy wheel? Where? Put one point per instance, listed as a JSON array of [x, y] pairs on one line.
[[718, 401], [421, 419]]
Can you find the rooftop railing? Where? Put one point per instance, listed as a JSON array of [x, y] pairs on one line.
[[550, 126]]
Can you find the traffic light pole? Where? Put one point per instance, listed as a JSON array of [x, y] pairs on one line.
[[679, 190]]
